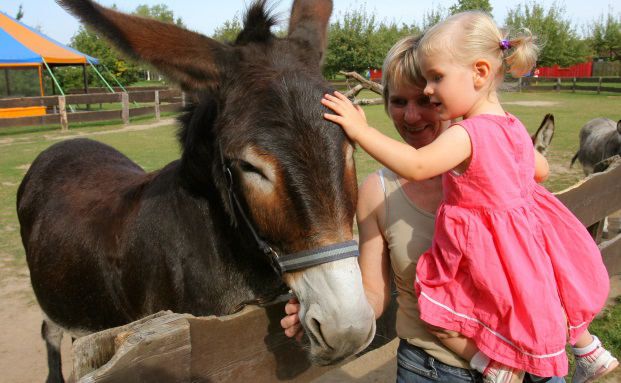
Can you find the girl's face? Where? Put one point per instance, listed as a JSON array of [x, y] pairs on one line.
[[413, 115], [450, 86]]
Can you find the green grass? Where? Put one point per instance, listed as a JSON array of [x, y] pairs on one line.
[[155, 147]]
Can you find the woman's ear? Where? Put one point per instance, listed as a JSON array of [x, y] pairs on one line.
[[482, 72]]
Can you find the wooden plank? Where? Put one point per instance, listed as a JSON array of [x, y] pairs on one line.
[[141, 111], [28, 101], [50, 119], [142, 96], [95, 350], [62, 111], [611, 253], [596, 196], [170, 94], [156, 350], [103, 115], [248, 347], [94, 98], [125, 106], [176, 107]]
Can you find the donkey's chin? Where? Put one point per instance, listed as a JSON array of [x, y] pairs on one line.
[[324, 354]]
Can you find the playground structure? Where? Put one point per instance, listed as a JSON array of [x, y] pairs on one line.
[[25, 56]]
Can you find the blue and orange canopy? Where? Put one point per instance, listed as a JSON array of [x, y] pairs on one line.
[[21, 45]]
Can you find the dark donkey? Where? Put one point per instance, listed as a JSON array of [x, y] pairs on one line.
[[262, 176]]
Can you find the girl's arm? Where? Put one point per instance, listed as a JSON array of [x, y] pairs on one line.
[[449, 150], [374, 259], [542, 169]]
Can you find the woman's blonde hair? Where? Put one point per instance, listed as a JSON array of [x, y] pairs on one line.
[[469, 36], [401, 67]]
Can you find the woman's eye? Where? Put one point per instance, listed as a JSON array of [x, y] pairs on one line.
[[423, 101], [437, 77]]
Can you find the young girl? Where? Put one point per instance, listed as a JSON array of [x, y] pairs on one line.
[[510, 268]]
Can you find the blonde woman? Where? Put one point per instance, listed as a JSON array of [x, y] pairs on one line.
[[509, 264]]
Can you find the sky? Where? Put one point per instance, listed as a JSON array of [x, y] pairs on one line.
[[205, 16]]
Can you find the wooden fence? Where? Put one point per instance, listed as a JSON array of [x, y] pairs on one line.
[[573, 84], [251, 346], [57, 106]]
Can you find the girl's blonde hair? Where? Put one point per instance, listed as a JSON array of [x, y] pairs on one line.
[[469, 36], [401, 67]]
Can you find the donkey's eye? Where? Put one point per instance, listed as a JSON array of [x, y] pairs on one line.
[[247, 167]]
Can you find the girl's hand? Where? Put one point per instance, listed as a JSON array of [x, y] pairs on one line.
[[351, 117], [291, 322]]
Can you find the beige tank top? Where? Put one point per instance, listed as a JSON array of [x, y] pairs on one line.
[[409, 231]]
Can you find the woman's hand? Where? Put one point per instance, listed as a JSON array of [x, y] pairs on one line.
[[291, 322], [351, 117]]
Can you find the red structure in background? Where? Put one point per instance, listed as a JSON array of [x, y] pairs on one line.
[[375, 75], [577, 70]]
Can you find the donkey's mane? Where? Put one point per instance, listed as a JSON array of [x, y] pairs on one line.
[[258, 23]]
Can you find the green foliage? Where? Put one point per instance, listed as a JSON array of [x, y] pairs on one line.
[[434, 16], [88, 42], [229, 30], [159, 12], [559, 41], [20, 13], [358, 42], [471, 5], [605, 36]]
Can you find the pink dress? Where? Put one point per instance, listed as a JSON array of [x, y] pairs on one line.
[[510, 266]]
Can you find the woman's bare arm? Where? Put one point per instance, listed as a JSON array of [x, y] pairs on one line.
[[374, 259]]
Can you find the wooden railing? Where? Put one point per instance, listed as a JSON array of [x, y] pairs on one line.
[[58, 111], [251, 346], [572, 84]]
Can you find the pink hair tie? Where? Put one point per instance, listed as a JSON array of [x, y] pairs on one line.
[[504, 45]]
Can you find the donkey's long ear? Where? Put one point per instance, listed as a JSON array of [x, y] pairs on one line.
[[189, 58], [308, 26]]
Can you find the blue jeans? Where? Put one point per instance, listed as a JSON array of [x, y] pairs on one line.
[[416, 366]]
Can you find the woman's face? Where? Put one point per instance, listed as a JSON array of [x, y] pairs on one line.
[[413, 115]]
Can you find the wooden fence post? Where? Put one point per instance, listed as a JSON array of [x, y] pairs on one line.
[[125, 111], [183, 101], [157, 105], [573, 85], [62, 111], [558, 84], [520, 84], [599, 85]]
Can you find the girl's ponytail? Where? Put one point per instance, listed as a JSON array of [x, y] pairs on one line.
[[520, 53]]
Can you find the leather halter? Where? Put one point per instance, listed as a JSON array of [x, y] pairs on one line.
[[287, 262]]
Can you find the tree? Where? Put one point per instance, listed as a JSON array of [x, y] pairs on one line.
[[557, 37], [159, 12], [605, 36], [229, 30], [471, 5], [434, 16], [358, 42]]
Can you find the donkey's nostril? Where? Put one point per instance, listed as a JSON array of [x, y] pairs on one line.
[[314, 329]]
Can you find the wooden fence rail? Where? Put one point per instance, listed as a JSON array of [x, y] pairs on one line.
[[167, 100], [251, 346], [573, 84]]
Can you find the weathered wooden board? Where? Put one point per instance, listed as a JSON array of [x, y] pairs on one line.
[[156, 349], [596, 196]]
